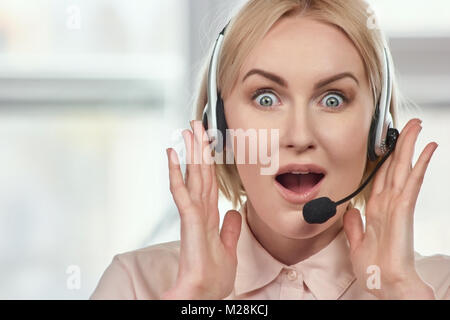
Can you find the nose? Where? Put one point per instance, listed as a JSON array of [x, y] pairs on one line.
[[297, 130]]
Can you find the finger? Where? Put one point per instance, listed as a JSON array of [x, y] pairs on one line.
[[353, 227], [398, 149], [214, 187], [194, 179], [231, 228], [214, 197], [197, 145], [415, 179], [402, 168], [209, 160], [201, 138], [380, 178], [178, 189], [210, 190]]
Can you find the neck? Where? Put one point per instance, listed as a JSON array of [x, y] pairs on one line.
[[288, 250]]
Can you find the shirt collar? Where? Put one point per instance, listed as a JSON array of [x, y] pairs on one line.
[[328, 273]]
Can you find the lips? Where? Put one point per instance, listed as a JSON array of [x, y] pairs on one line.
[[299, 183]]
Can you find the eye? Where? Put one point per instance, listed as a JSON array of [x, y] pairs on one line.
[[264, 98], [333, 100]]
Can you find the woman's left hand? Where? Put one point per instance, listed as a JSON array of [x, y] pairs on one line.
[[385, 250]]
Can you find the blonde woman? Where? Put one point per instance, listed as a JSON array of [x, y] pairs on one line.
[[313, 71]]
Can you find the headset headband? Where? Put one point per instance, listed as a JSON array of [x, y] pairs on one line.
[[381, 123]]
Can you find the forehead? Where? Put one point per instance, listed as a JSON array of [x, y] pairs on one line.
[[301, 48]]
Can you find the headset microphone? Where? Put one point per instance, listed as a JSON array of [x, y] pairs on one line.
[[381, 141], [321, 209]]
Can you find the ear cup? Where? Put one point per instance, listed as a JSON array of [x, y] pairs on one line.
[[371, 139], [205, 121]]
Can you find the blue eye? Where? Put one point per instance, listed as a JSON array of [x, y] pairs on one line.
[[334, 100], [266, 98]]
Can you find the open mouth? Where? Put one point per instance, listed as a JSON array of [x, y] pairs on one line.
[[298, 182]]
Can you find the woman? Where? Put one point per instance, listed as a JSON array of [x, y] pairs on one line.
[[277, 71]]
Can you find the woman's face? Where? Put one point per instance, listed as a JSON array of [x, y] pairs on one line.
[[325, 125]]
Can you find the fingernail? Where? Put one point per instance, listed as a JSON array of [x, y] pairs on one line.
[[434, 148], [173, 157]]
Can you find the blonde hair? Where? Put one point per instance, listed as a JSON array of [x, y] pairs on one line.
[[251, 24]]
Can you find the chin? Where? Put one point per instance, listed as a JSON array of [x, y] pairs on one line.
[[291, 224]]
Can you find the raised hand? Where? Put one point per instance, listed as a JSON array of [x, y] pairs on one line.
[[207, 262], [388, 241]]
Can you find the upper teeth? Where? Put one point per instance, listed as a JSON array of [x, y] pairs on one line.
[[299, 172]]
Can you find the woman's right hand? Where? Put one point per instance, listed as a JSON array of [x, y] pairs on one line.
[[207, 261]]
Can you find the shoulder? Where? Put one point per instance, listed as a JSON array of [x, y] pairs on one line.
[[435, 270], [145, 273], [151, 256]]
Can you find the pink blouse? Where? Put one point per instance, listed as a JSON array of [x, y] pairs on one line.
[[149, 272]]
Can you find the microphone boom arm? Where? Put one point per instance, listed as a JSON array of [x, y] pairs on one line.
[[392, 142]]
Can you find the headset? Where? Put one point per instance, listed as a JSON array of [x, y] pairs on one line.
[[380, 139]]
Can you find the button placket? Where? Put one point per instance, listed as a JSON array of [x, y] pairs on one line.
[[292, 275], [292, 286]]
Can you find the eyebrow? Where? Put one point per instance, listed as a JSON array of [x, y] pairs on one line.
[[283, 82]]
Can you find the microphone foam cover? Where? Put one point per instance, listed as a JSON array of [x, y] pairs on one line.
[[319, 210]]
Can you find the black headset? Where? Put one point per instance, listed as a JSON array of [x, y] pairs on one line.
[[380, 139]]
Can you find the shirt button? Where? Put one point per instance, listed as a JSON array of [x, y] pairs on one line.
[[292, 275]]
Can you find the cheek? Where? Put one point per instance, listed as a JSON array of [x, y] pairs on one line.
[[347, 136], [347, 142], [256, 187], [346, 148]]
